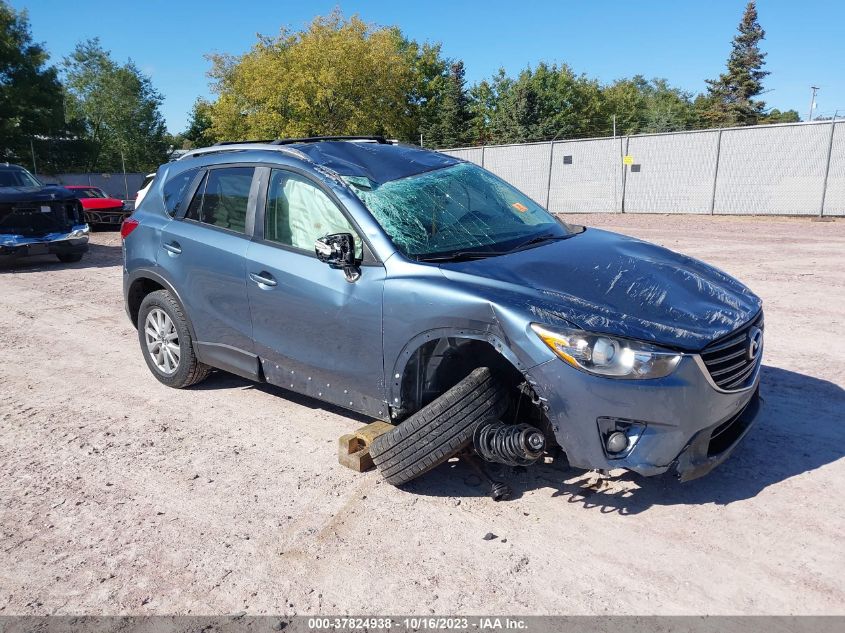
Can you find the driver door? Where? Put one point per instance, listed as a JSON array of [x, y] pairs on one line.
[[315, 332]]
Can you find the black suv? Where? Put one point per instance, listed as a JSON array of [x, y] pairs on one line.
[[39, 219]]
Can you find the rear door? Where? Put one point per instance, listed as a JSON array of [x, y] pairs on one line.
[[315, 332], [204, 250]]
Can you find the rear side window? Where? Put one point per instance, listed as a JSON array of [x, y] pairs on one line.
[[222, 198], [175, 189]]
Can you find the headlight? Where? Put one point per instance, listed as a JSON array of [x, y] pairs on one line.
[[607, 355]]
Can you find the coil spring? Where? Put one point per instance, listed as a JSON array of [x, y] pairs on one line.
[[509, 444]]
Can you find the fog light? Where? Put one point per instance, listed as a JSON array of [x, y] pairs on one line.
[[617, 442], [619, 436]]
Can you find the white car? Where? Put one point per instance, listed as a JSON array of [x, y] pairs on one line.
[[145, 186]]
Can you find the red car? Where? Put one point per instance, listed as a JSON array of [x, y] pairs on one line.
[[98, 207]]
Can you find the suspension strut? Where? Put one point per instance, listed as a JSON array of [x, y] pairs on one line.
[[509, 444]]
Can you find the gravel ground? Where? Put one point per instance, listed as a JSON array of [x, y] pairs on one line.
[[121, 496]]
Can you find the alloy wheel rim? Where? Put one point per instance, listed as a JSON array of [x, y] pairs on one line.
[[162, 341]]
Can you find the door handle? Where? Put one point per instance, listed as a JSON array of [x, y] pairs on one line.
[[172, 247], [263, 278]]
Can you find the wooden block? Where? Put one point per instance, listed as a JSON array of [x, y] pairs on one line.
[[353, 449]]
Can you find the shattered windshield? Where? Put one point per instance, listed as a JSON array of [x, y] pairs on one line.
[[456, 211]]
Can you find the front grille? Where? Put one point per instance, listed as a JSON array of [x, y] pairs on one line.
[[31, 220], [728, 359]]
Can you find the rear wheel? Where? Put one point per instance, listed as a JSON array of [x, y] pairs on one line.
[[166, 341], [69, 258], [440, 430]]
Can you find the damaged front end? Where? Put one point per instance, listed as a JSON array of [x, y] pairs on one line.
[[41, 221]]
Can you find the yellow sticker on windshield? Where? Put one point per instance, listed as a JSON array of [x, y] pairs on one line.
[[519, 207]]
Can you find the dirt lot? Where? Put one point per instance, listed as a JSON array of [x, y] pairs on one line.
[[119, 495]]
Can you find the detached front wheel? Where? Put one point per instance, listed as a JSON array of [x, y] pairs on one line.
[[166, 341], [440, 430]]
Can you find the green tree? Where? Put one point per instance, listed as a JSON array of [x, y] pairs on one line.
[[545, 103], [569, 105], [450, 127], [198, 132], [642, 106], [731, 97], [118, 108], [338, 76], [31, 114], [485, 100], [517, 118], [482, 100], [430, 78], [776, 116]]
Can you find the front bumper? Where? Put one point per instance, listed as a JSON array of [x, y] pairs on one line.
[[73, 242], [711, 446], [690, 427]]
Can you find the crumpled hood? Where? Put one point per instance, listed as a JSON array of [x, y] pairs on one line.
[[613, 284], [34, 194]]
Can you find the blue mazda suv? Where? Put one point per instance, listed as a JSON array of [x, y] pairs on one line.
[[424, 291]]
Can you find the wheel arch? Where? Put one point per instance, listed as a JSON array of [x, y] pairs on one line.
[[143, 282], [435, 360]]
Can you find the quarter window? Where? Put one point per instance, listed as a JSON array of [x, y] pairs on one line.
[[175, 189], [298, 213], [222, 198]]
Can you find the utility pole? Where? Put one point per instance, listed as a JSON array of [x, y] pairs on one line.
[[815, 89], [32, 149], [125, 183], [614, 126]]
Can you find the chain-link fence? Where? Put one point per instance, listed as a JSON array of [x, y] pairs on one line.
[[789, 169], [120, 186]]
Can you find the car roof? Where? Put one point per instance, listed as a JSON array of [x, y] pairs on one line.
[[379, 162], [10, 167]]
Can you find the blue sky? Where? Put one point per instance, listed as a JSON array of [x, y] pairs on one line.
[[684, 41]]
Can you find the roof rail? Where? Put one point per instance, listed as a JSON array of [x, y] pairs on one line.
[[221, 148], [309, 139], [219, 143]]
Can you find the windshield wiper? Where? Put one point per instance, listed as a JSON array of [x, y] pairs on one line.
[[538, 239], [468, 255], [461, 256]]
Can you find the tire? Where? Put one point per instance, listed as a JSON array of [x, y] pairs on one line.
[[188, 370], [69, 258], [440, 430]]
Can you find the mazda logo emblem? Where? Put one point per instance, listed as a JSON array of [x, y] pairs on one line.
[[755, 343]]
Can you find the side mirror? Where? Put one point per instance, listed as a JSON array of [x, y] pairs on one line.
[[338, 251]]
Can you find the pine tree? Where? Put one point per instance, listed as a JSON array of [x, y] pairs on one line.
[[517, 116], [451, 125], [730, 98]]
